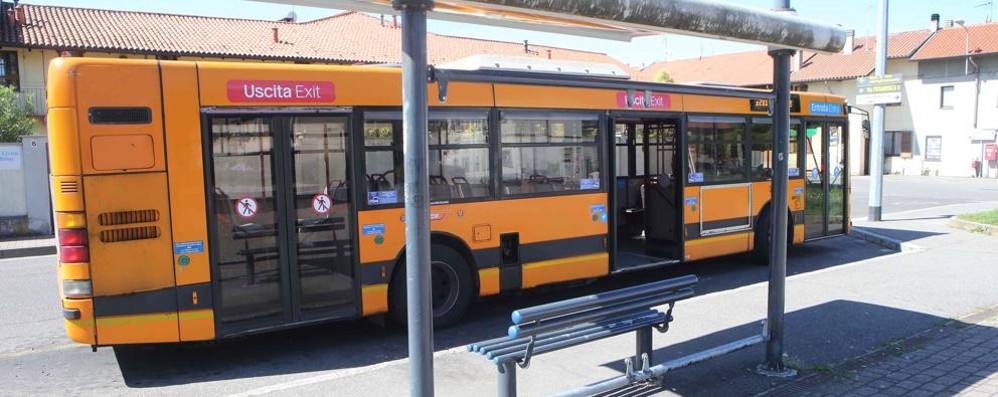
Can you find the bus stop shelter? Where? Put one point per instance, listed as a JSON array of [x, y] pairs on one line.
[[779, 29]]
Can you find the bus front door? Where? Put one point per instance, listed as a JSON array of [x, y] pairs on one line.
[[281, 220], [825, 177]]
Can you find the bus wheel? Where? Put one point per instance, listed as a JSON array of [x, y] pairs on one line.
[[763, 235], [451, 283]]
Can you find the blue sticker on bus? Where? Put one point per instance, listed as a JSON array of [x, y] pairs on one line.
[[825, 109], [794, 171], [384, 197], [589, 183], [602, 217], [798, 190], [597, 208], [375, 229], [690, 201], [188, 247], [695, 177]]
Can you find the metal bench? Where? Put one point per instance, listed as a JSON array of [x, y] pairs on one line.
[[558, 325]]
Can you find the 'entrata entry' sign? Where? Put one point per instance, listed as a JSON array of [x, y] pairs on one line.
[[280, 91]]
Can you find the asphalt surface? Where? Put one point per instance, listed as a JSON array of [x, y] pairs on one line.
[[880, 298], [907, 193]]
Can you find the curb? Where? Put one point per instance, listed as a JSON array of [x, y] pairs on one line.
[[973, 227], [25, 252], [883, 241]]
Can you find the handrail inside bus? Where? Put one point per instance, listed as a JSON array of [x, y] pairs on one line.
[[442, 76]]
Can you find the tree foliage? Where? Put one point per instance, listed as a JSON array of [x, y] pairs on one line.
[[663, 77], [15, 116]]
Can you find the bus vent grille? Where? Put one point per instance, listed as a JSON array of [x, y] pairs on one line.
[[128, 217], [69, 187], [129, 234]]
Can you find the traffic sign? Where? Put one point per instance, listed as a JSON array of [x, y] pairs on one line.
[[879, 90]]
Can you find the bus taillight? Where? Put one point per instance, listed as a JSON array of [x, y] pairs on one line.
[[73, 254], [69, 237]]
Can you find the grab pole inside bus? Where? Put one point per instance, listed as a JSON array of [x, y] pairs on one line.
[[417, 194]]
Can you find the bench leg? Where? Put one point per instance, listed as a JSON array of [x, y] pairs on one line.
[[507, 379], [643, 347]]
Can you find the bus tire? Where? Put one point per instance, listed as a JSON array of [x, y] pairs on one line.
[[763, 234], [452, 288]]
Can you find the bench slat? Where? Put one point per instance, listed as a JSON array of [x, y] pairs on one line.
[[598, 313], [616, 326], [603, 299], [624, 328]]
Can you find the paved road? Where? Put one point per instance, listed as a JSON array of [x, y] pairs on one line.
[[906, 193]]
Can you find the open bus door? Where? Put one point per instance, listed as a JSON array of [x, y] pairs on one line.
[[647, 190]]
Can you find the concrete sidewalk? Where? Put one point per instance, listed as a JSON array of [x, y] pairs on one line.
[[28, 246], [834, 315]]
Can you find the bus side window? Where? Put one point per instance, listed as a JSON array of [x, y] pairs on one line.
[[549, 152], [458, 156]]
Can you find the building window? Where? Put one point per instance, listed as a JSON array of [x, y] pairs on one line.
[[897, 144], [946, 97], [934, 148], [8, 69]]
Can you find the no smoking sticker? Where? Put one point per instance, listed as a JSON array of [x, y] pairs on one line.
[[322, 203], [247, 207]]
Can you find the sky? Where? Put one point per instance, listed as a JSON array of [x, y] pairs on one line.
[[859, 15]]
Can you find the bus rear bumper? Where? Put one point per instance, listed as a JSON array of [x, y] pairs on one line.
[[78, 317]]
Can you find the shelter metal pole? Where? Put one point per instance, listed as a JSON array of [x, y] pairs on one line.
[[417, 188], [778, 207], [877, 126]]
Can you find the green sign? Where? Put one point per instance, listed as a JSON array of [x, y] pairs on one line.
[[812, 131]]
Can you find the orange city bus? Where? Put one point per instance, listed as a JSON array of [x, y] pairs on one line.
[[201, 200]]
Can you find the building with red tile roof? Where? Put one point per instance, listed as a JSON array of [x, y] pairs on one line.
[[755, 68], [345, 38], [958, 41]]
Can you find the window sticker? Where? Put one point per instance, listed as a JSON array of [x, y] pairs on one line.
[[589, 184], [373, 229], [695, 177], [794, 171], [382, 197]]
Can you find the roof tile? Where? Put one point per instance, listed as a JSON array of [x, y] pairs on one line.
[[348, 37], [957, 42]]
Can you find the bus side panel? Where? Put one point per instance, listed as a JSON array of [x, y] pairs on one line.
[[561, 238], [185, 175], [795, 201], [131, 262], [521, 96], [118, 145]]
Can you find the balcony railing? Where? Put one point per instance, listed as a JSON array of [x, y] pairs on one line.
[[33, 96]]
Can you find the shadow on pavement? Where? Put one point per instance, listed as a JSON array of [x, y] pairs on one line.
[[818, 340], [342, 345]]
